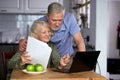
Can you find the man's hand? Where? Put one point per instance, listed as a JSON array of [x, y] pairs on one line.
[[22, 44]]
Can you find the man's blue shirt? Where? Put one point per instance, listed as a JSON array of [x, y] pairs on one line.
[[63, 37]]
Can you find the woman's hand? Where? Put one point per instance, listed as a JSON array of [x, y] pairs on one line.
[[64, 61], [22, 44], [25, 58]]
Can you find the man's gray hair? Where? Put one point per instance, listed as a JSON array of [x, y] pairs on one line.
[[55, 7]]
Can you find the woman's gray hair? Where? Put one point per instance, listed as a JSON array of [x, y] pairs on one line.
[[37, 24], [55, 7]]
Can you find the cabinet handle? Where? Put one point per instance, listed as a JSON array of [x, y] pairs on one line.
[[43, 11], [3, 10]]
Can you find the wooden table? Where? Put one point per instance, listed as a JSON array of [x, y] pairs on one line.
[[17, 74]]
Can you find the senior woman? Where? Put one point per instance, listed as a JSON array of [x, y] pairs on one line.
[[41, 31]]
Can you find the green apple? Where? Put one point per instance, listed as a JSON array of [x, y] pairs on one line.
[[30, 68], [39, 67]]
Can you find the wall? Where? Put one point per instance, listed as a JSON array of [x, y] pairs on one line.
[[114, 17], [101, 34], [12, 24]]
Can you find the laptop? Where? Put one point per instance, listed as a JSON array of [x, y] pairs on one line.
[[83, 61]]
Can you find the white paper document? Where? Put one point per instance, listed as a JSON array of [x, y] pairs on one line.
[[39, 51]]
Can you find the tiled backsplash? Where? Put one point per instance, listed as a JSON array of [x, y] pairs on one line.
[[13, 26]]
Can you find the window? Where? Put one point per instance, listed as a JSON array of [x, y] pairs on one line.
[[82, 12]]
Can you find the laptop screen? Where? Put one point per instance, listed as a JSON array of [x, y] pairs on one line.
[[84, 61]]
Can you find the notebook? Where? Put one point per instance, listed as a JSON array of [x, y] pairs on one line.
[[83, 61]]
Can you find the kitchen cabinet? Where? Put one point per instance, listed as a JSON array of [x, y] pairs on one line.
[[38, 6], [11, 6], [25, 6]]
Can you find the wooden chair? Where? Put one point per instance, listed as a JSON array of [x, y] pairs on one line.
[[5, 57]]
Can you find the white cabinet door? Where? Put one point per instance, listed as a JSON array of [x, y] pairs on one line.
[[11, 6], [25, 6], [38, 6]]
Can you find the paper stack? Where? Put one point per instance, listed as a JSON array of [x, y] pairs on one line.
[[39, 51]]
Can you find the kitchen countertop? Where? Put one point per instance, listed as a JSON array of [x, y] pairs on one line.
[[9, 43]]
